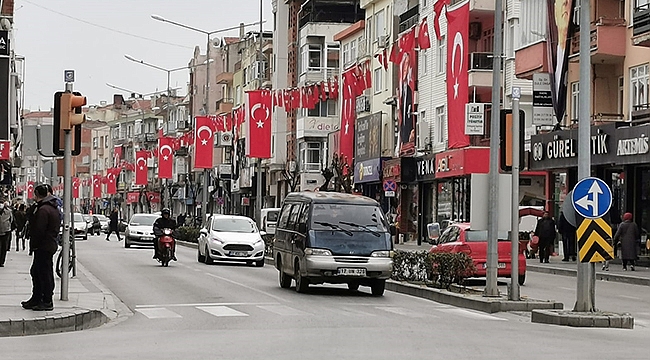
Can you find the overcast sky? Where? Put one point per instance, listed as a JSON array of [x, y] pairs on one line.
[[52, 42]]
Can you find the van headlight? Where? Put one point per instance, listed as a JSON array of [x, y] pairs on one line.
[[320, 252], [382, 253]]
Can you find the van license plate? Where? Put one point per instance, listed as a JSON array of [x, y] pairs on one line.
[[238, 253], [500, 265], [352, 271]]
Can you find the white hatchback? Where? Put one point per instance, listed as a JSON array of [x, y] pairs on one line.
[[231, 238]]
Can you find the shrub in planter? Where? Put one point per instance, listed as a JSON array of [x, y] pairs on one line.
[[450, 268], [188, 233], [412, 266]]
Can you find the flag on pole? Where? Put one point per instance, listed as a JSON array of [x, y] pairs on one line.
[[258, 144]]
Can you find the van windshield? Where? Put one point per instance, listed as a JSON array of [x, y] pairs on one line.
[[349, 217]]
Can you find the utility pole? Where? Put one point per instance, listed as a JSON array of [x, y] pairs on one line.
[[491, 288], [206, 172], [67, 208], [260, 56], [586, 271], [514, 225]]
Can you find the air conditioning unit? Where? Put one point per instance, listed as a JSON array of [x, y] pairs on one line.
[[224, 139], [181, 124]]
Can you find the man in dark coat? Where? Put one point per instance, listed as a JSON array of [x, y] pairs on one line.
[[113, 226], [568, 233], [545, 230], [44, 229]]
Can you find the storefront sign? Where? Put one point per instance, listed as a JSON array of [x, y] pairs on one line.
[[367, 137], [542, 100], [633, 146], [474, 119], [401, 170], [460, 162], [367, 171], [132, 197], [426, 167], [316, 126]]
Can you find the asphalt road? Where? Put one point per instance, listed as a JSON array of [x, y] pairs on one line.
[[195, 311]]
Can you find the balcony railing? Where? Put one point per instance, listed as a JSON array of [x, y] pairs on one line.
[[481, 61], [316, 74], [641, 20]]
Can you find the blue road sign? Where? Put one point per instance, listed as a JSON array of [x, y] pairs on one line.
[[591, 198], [390, 185]]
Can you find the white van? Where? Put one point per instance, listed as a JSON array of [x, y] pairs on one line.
[[269, 220]]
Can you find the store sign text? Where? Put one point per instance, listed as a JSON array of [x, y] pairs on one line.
[[568, 148], [634, 146], [426, 167]]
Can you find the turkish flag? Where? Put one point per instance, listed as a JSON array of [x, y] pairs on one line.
[[117, 154], [382, 57], [97, 186], [295, 99], [335, 89], [424, 42], [406, 42], [437, 8], [394, 54], [323, 92], [141, 167], [30, 188], [75, 187], [259, 124], [111, 185], [4, 150], [457, 77], [165, 157], [348, 114], [203, 143], [368, 75]]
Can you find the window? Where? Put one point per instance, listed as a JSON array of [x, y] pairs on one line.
[[510, 51], [138, 127], [424, 3], [378, 80], [621, 93], [333, 53], [353, 49], [293, 217], [346, 53], [106, 141], [284, 216], [369, 37], [380, 24], [95, 142], [238, 95], [311, 57], [310, 159], [129, 131], [303, 219], [421, 138], [639, 87], [441, 124], [323, 109], [423, 61], [442, 56], [575, 100]]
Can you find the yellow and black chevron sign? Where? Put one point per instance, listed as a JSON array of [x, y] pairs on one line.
[[592, 241]]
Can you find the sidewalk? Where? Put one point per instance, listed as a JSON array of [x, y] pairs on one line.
[[90, 303], [641, 275]]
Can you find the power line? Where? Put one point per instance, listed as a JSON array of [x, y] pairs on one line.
[[105, 27]]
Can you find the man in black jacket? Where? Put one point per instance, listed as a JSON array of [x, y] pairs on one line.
[[44, 229], [545, 230], [164, 222]]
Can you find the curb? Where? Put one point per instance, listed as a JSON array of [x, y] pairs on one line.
[[583, 319], [632, 280], [75, 321]]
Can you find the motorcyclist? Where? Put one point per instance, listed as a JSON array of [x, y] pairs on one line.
[[163, 222]]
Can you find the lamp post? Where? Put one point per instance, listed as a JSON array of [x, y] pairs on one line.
[[169, 92], [206, 104]]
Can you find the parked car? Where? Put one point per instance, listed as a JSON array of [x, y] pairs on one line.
[[139, 230], [269, 220], [103, 222], [459, 237], [80, 226], [230, 238], [333, 238]]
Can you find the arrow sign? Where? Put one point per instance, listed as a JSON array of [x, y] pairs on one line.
[[591, 198]]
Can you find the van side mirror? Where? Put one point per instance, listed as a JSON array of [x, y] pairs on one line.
[[433, 230]]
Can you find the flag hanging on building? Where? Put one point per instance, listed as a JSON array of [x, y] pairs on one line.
[[111, 177], [457, 77], [141, 169], [348, 115], [117, 155], [424, 42], [258, 144], [97, 186], [203, 143], [437, 8], [165, 157], [30, 189], [75, 187]]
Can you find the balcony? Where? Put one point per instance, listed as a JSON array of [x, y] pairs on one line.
[[314, 75], [225, 78], [477, 5], [641, 113], [641, 28], [100, 151], [150, 137], [480, 69], [607, 42], [224, 106], [531, 59]]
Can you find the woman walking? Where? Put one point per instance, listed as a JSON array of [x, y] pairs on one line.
[[20, 219], [630, 237]]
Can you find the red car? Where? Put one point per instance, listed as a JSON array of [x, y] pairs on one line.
[[458, 237]]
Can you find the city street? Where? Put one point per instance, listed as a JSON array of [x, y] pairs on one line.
[[196, 311]]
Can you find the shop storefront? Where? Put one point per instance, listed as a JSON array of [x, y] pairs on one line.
[[452, 172], [425, 168], [367, 178], [404, 199], [620, 156]]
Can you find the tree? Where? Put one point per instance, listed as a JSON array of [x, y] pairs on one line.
[[292, 176], [342, 173]]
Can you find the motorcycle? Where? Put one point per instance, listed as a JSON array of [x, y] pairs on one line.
[[166, 246]]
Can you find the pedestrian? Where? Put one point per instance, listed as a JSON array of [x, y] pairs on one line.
[[630, 237], [180, 220], [113, 226], [5, 231], [545, 231], [20, 219], [44, 230], [568, 233]]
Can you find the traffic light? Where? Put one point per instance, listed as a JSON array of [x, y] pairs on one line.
[[505, 140], [67, 116]]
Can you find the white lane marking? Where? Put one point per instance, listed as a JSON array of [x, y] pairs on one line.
[[566, 288], [221, 311], [203, 304], [247, 287], [282, 310], [630, 297], [400, 311], [472, 314], [158, 313]]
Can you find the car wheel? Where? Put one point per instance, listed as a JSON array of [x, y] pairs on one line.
[[259, 263], [285, 280], [200, 258], [522, 279], [302, 283], [127, 244], [378, 287], [85, 236], [353, 286], [208, 258]]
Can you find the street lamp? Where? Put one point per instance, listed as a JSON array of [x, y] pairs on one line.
[[206, 105]]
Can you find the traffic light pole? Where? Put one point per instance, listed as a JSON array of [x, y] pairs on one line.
[[67, 208], [514, 293]]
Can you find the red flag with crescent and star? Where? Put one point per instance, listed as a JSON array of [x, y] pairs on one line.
[[258, 144], [141, 169], [30, 189], [348, 115], [437, 8], [111, 177], [97, 186], [75, 187], [165, 157], [424, 42], [457, 77], [203, 143]]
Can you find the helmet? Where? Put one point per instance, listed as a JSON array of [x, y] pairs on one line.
[[165, 211]]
